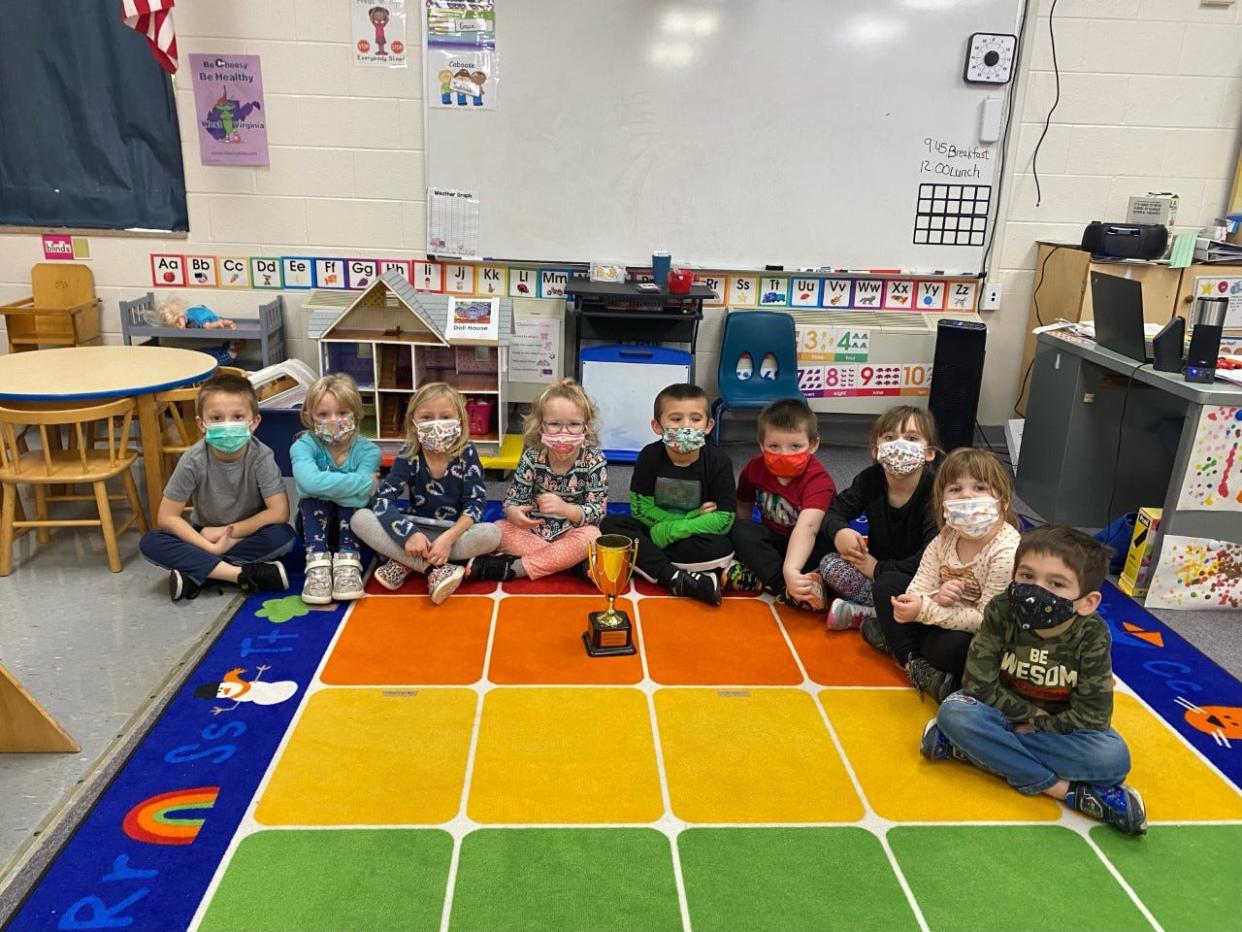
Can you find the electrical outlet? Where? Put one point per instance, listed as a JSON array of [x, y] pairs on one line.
[[990, 298]]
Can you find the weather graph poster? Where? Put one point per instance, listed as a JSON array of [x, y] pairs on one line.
[[229, 109]]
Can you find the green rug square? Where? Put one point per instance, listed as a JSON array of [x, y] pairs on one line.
[[594, 879], [1014, 877], [1189, 876], [344, 879], [790, 878]]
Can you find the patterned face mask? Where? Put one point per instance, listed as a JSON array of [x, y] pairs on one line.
[[973, 517], [1038, 608], [900, 457], [684, 439], [438, 436], [562, 444], [336, 430]]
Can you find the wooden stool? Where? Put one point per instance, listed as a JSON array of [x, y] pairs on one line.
[[62, 311]]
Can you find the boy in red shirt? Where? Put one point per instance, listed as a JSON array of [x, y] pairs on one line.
[[793, 491]]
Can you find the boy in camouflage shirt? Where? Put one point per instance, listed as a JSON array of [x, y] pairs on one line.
[[1037, 694]]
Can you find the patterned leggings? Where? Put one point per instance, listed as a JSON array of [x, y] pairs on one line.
[[544, 557], [318, 517], [843, 579]]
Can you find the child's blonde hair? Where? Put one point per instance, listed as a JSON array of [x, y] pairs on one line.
[[340, 386], [572, 392], [430, 392], [977, 464]]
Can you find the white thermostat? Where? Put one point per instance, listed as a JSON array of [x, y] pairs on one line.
[[989, 58]]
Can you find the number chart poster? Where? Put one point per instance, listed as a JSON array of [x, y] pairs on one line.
[[1214, 474], [864, 380], [821, 343], [228, 108]]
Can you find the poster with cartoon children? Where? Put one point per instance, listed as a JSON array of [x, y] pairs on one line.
[[461, 80], [379, 33]]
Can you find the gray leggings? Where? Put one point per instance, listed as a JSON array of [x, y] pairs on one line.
[[478, 540]]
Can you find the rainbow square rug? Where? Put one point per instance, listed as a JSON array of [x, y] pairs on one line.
[[399, 765]]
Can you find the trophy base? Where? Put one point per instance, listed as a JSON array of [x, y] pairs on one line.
[[602, 640]]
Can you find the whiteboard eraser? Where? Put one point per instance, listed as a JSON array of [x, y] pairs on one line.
[[990, 110]]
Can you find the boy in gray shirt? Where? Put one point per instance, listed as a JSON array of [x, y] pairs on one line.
[[240, 522]]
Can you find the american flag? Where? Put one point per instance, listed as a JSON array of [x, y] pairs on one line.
[[153, 18]]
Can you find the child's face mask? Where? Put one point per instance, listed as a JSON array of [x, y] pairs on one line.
[[684, 439], [786, 465], [335, 430], [562, 444], [438, 436], [900, 457], [228, 437], [1037, 608], [973, 517]]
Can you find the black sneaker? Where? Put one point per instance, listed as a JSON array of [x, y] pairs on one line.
[[263, 577], [702, 586], [582, 571], [931, 681], [1120, 806], [495, 567], [873, 634], [181, 586]]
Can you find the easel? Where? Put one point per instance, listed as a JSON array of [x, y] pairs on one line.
[[25, 726]]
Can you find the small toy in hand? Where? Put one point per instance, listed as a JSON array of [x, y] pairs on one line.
[[175, 313]]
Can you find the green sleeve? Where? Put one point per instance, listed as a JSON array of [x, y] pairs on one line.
[[679, 528], [981, 679], [643, 508], [1091, 702]]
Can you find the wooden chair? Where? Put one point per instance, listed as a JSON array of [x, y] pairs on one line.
[[83, 464], [177, 412], [62, 311]]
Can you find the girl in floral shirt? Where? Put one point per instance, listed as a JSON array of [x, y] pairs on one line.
[[559, 491]]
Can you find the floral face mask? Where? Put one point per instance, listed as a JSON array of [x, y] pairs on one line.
[[974, 517], [336, 430], [684, 439], [900, 457], [438, 436]]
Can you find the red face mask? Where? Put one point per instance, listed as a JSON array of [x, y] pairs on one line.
[[786, 465]]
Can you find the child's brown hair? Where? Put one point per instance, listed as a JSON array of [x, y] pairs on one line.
[[977, 464], [895, 419], [789, 414], [681, 391], [571, 391], [1085, 555], [428, 392], [227, 384]]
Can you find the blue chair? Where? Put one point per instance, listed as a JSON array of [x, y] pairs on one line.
[[757, 334]]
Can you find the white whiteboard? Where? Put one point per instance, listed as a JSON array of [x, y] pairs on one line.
[[614, 386], [733, 133]]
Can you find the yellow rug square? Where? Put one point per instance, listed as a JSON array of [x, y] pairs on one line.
[[1175, 782], [565, 755], [751, 755], [880, 731], [373, 757]]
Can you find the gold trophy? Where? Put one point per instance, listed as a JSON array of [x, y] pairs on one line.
[[610, 561]]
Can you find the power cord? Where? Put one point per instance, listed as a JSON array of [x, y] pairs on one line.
[[1121, 428], [1056, 72], [1043, 268]]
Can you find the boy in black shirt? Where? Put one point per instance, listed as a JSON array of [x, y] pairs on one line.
[[682, 499]]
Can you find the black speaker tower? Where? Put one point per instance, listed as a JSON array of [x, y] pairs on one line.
[[957, 375]]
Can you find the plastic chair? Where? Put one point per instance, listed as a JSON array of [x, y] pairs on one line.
[[51, 467], [62, 311], [758, 334]]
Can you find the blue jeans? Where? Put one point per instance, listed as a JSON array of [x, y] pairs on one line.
[[1031, 762], [172, 553], [318, 517]]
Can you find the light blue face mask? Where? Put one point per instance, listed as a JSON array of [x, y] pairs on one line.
[[229, 437]]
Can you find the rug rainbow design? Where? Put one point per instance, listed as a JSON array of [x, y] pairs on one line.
[[467, 766]]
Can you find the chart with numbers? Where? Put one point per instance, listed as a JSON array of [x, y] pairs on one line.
[[854, 379], [823, 343], [952, 214]]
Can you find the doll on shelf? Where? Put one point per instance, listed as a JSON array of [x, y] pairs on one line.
[[175, 313]]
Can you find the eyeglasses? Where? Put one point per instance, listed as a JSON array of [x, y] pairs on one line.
[[564, 427]]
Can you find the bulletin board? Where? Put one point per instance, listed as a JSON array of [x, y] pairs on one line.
[[734, 135]]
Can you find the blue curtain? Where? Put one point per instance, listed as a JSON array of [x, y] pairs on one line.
[[88, 123]]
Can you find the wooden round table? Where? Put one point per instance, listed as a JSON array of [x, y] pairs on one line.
[[79, 373]]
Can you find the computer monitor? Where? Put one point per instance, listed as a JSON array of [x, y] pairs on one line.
[[1118, 304]]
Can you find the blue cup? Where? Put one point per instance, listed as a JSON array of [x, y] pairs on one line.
[[661, 262]]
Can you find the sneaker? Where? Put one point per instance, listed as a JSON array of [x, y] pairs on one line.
[[873, 634], [935, 746], [844, 615], [702, 586], [263, 577], [739, 578], [347, 577], [495, 567], [317, 590], [931, 681], [1120, 806], [442, 581], [582, 570], [181, 586], [814, 604], [391, 575]]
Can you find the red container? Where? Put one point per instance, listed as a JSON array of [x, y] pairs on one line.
[[679, 281], [479, 416]]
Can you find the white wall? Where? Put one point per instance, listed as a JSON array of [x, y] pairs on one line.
[[1151, 100]]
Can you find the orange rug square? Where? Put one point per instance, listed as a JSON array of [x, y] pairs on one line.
[[539, 640], [737, 643], [556, 584], [837, 658], [406, 639]]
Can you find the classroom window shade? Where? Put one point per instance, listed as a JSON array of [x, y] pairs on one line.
[[88, 122]]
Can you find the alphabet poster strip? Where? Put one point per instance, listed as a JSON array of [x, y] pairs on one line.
[[234, 271], [167, 271], [202, 272]]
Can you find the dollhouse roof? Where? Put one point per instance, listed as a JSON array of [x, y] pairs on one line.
[[385, 301]]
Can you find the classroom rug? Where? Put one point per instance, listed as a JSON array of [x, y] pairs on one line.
[[398, 765]]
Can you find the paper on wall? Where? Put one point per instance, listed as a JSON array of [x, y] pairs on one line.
[[379, 33], [1197, 573], [452, 223], [1213, 480], [1230, 288], [535, 347]]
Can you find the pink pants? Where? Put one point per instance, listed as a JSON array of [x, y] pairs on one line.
[[544, 557]]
